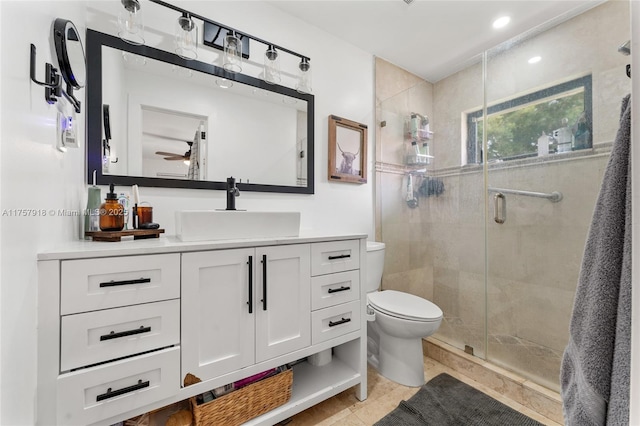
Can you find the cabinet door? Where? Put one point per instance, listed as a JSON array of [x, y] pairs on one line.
[[217, 327], [283, 305]]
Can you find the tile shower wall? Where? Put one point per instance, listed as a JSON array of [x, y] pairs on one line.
[[533, 264], [407, 262], [437, 250]]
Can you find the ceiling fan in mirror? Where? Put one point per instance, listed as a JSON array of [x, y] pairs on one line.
[[172, 156]]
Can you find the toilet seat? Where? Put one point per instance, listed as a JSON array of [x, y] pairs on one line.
[[405, 305]]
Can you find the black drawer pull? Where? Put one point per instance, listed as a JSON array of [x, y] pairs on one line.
[[114, 335], [125, 282], [250, 302], [264, 282], [335, 290], [342, 321], [341, 256], [113, 394]]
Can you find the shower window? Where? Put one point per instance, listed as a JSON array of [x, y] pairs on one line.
[[553, 120]]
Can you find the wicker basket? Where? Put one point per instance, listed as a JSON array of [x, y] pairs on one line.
[[246, 403]]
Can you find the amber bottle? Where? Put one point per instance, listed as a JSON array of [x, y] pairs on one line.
[[111, 213]]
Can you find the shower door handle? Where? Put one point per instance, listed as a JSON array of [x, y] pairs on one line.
[[499, 208]]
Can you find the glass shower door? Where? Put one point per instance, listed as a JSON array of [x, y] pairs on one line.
[[550, 115], [431, 216]]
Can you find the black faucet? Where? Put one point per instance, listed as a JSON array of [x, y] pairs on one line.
[[232, 193]]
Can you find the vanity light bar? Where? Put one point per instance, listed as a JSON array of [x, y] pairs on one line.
[[228, 29]]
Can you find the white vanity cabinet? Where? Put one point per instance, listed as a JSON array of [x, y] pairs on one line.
[[243, 306], [119, 335], [335, 287], [121, 324]]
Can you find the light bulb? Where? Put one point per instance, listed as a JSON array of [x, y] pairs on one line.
[[232, 58], [272, 66], [304, 76], [186, 38], [130, 25]]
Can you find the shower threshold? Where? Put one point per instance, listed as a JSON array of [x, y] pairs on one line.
[[531, 395]]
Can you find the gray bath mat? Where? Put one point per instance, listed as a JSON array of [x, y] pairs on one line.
[[446, 401]]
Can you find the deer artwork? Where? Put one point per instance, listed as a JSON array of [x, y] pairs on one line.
[[346, 166]]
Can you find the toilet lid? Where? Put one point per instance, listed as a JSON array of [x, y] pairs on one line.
[[405, 305]]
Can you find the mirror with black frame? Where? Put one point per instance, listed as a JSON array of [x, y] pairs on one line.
[[155, 119], [71, 59]]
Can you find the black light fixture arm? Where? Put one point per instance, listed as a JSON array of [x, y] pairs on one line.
[[228, 28]]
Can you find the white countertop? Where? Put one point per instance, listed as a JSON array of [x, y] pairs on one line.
[[84, 249]]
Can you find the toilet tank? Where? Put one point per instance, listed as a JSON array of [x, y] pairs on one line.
[[375, 265]]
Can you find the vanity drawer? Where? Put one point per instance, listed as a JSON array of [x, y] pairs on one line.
[[92, 284], [335, 256], [100, 336], [86, 396], [334, 289], [335, 321]]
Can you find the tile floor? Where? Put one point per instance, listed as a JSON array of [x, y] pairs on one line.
[[383, 396]]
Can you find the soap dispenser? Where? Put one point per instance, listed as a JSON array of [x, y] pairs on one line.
[[111, 212]]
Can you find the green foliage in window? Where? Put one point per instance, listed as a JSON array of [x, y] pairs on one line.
[[515, 133]]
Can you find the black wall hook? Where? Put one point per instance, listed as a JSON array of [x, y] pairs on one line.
[[629, 70], [52, 90]]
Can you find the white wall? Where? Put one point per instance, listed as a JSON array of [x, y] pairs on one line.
[[345, 90], [35, 176]]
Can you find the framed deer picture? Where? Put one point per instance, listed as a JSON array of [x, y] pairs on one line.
[[347, 150]]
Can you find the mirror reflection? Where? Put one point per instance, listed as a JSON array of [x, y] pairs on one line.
[[170, 121], [173, 145], [75, 55]]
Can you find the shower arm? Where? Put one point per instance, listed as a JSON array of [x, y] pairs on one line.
[[554, 196]]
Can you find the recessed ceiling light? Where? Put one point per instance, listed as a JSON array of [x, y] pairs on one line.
[[535, 59], [501, 22]]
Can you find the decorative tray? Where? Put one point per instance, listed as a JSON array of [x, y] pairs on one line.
[[138, 234]]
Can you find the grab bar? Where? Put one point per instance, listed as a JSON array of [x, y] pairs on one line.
[[554, 196]]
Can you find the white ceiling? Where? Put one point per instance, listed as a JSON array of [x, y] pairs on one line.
[[429, 38]]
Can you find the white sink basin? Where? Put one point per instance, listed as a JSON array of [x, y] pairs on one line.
[[205, 225]]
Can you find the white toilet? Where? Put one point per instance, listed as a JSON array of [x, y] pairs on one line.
[[397, 322]]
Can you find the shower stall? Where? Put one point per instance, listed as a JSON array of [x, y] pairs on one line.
[[487, 216]]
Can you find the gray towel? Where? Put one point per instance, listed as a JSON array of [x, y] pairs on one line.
[[595, 370]]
